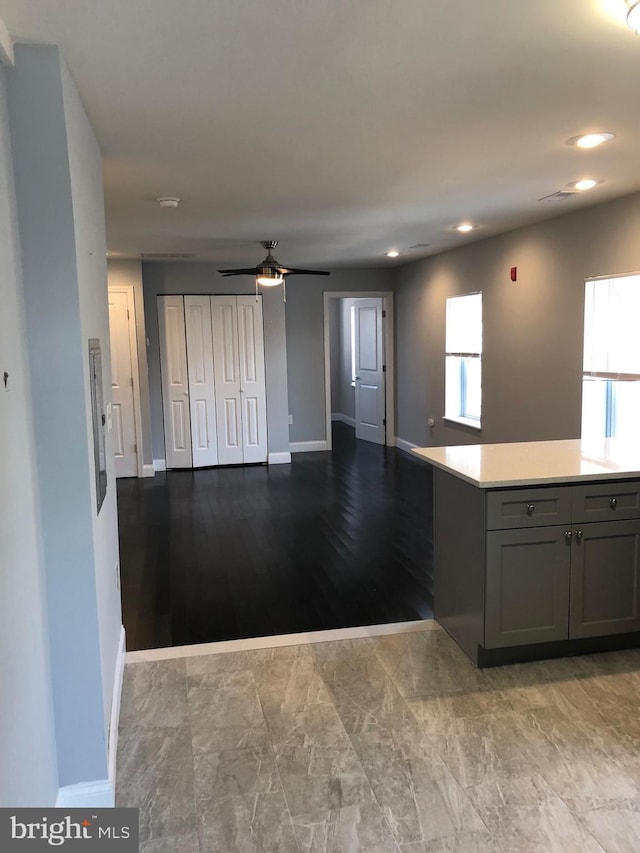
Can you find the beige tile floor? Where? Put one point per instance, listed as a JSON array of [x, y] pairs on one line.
[[381, 745]]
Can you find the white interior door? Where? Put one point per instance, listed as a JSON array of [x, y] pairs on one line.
[[175, 382], [204, 443], [370, 377], [224, 316], [253, 395], [122, 399]]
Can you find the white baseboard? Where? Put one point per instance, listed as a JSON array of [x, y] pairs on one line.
[[97, 794], [307, 446], [159, 464], [148, 470], [101, 793], [407, 446], [281, 458], [116, 699], [280, 640], [344, 419]]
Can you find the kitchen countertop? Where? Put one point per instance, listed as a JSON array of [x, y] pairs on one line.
[[526, 463]]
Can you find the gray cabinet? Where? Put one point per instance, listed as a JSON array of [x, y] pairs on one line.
[[605, 579], [558, 563], [546, 582], [527, 587]]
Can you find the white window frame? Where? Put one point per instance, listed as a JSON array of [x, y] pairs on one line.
[[461, 414], [611, 378]]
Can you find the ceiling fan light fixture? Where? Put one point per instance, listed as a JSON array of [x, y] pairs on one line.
[[269, 278], [633, 15]]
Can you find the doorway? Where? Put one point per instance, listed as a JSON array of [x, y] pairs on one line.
[[359, 374]]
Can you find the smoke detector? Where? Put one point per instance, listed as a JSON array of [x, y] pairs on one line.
[[168, 201]]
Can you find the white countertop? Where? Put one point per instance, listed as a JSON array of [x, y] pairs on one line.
[[533, 462]]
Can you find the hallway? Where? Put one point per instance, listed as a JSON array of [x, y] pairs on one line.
[[334, 540]]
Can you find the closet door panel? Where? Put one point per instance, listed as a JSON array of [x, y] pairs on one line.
[[175, 382], [204, 443], [224, 316], [252, 378]]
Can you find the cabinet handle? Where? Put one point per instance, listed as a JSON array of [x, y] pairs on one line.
[[613, 502], [567, 535], [578, 535], [530, 509]]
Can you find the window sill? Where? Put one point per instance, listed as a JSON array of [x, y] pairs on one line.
[[465, 422]]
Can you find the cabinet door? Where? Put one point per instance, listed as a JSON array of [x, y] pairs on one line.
[[605, 579], [527, 586]]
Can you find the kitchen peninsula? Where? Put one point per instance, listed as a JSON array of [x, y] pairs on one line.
[[537, 547]]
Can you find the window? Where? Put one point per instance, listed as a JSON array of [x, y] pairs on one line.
[[463, 359], [611, 364]]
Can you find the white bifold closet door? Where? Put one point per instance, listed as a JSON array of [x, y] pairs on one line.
[[175, 382], [241, 404], [202, 405], [213, 380]]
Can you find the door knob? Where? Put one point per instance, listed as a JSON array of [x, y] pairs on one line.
[[567, 535], [613, 502], [578, 535], [530, 509]]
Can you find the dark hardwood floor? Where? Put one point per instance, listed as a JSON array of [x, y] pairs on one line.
[[333, 540]]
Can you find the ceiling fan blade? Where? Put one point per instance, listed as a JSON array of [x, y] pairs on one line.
[[248, 271], [292, 271]]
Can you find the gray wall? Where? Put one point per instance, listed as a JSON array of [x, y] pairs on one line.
[[58, 181], [532, 328], [165, 278], [130, 273], [27, 739], [305, 343]]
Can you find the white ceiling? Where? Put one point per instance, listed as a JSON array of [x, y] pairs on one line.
[[343, 128]]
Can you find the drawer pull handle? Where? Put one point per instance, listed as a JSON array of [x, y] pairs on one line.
[[530, 509], [613, 502], [578, 535], [567, 535]]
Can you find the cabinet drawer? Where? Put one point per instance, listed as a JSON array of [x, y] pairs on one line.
[[528, 508], [606, 502]]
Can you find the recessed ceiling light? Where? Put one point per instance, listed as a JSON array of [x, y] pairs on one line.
[[168, 201], [393, 253], [584, 184], [590, 140], [633, 15], [464, 227]]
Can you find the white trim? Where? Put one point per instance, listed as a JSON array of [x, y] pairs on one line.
[[148, 470], [407, 446], [159, 464], [464, 421], [116, 699], [97, 794], [345, 419], [281, 458], [389, 351], [253, 643], [6, 46], [307, 446]]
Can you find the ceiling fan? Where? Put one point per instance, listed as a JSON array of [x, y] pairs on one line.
[[269, 272]]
